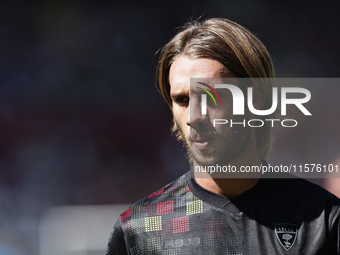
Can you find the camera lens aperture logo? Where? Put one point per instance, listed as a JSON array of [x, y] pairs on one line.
[[204, 97]]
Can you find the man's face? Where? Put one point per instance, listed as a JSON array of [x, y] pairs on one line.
[[206, 144]]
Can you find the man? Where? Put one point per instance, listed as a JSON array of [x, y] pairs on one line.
[[203, 214]]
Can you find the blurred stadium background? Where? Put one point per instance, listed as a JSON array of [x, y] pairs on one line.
[[83, 126]]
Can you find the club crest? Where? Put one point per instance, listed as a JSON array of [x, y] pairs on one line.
[[286, 233]]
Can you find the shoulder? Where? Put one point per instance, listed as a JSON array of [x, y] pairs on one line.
[[301, 187], [159, 202], [304, 194]]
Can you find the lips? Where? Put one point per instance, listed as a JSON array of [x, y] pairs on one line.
[[202, 143]]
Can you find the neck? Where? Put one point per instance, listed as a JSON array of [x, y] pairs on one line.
[[230, 187]]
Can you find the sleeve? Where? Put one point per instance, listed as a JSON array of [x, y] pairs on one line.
[[116, 244]]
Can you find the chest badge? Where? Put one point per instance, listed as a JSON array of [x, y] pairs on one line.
[[286, 234]]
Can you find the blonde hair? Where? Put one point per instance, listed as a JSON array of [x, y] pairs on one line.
[[233, 46]]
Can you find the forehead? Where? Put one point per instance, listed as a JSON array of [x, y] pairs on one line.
[[184, 68]]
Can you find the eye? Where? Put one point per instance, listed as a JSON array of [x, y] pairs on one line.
[[181, 100]]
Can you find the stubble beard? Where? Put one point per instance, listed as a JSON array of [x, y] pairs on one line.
[[235, 143]]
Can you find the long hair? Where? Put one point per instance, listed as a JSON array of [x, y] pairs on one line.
[[233, 46]]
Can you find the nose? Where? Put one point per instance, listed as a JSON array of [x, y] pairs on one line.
[[196, 117]]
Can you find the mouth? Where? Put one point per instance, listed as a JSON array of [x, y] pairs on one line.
[[202, 143]]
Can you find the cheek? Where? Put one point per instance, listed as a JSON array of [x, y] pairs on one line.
[[181, 118], [179, 115], [224, 112]]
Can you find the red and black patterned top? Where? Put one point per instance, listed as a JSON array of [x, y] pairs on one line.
[[276, 216]]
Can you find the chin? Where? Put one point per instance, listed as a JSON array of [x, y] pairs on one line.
[[205, 160]]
